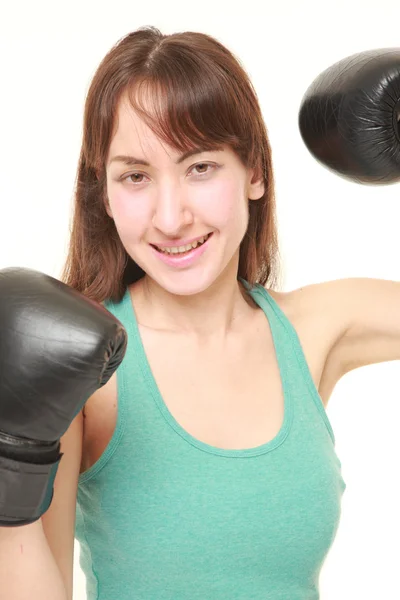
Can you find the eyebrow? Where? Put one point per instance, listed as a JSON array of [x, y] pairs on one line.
[[132, 160]]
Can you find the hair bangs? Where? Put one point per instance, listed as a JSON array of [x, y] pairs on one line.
[[182, 115]]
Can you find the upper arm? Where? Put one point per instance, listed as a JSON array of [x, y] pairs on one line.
[[365, 316], [59, 520]]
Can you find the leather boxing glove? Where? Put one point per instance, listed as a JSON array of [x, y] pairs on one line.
[[56, 348], [349, 117]]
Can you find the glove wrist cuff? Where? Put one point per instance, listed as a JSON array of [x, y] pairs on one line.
[[26, 490]]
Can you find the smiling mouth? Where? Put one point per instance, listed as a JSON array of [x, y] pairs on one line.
[[179, 250]]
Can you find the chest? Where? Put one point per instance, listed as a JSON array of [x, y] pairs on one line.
[[227, 395]]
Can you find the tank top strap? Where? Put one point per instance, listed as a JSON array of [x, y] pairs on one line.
[[283, 333], [123, 312], [278, 321]]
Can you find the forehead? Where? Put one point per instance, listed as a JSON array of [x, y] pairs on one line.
[[130, 127]]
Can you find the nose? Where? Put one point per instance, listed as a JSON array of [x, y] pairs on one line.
[[171, 212]]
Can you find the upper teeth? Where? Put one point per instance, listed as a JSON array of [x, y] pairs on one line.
[[176, 249]]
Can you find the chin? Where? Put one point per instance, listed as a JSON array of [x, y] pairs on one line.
[[185, 283], [181, 285]]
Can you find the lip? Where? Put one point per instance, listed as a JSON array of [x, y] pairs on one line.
[[177, 243], [183, 261]]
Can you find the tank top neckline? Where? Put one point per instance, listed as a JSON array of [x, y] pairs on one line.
[[267, 304]]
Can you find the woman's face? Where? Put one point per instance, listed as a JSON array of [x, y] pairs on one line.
[[161, 207]]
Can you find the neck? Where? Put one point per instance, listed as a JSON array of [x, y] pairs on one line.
[[215, 312]]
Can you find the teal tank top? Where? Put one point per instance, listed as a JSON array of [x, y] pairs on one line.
[[164, 516]]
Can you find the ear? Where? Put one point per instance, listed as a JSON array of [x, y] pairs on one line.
[[256, 185]]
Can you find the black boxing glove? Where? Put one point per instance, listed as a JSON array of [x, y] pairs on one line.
[[57, 348], [349, 117]]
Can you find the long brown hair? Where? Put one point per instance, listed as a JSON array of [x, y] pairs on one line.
[[203, 96]]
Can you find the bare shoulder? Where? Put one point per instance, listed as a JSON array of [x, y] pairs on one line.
[[317, 302], [302, 304], [316, 314]]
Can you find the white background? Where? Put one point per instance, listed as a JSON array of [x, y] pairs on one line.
[[329, 228]]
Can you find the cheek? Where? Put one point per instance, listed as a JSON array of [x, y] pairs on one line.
[[129, 211], [226, 205]]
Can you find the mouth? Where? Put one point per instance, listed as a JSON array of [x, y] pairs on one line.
[[182, 250]]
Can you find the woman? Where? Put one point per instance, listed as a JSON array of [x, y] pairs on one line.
[[207, 466]]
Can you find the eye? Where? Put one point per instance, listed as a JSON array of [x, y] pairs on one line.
[[202, 165], [134, 181]]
